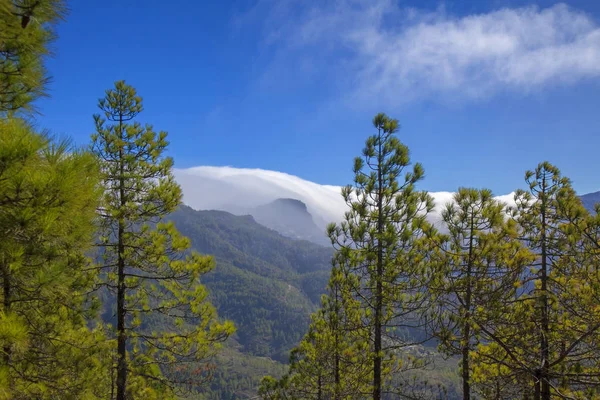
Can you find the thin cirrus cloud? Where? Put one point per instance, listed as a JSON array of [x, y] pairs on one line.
[[390, 54], [239, 190]]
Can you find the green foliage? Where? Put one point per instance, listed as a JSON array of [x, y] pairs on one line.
[[544, 341], [480, 265], [48, 197], [331, 361], [26, 30], [147, 264]]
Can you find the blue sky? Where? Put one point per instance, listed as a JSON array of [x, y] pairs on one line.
[[482, 90]]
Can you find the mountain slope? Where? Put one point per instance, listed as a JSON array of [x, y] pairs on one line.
[[266, 283], [590, 200]]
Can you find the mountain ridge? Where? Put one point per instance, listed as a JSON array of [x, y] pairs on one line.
[[589, 200], [291, 218]]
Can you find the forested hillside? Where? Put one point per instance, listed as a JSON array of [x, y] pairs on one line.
[[266, 283]]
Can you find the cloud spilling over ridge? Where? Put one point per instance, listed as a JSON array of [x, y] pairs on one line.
[[393, 54], [237, 190]]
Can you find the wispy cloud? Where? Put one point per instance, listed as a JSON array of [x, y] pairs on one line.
[[377, 51], [239, 189]]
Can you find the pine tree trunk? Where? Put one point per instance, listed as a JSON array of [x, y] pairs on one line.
[[466, 334], [337, 386], [465, 360], [337, 377], [379, 287], [121, 335], [544, 346], [377, 347], [121, 338], [320, 388]]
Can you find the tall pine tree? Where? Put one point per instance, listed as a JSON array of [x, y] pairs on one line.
[[542, 340], [48, 198], [166, 327], [480, 263], [380, 247]]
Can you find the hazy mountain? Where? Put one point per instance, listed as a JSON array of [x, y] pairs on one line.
[[291, 218], [241, 190], [590, 200]]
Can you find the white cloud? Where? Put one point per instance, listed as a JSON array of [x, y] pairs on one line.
[[239, 189], [392, 55]]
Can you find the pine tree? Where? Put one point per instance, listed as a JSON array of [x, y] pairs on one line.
[[542, 340], [581, 278], [166, 327], [26, 30], [330, 362], [48, 199], [480, 262], [380, 247]]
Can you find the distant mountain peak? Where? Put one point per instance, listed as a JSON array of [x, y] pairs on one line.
[[291, 203], [590, 200], [291, 218]]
